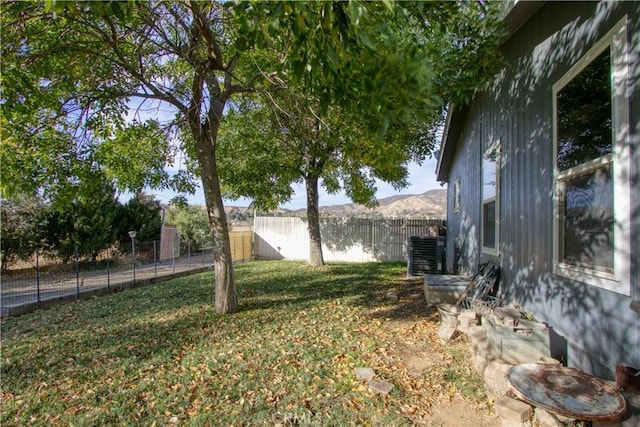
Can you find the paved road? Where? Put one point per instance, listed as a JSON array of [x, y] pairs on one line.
[[27, 293]]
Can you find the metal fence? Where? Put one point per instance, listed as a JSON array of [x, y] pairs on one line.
[[47, 278]]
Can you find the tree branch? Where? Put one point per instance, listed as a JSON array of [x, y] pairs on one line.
[[138, 74], [214, 52]]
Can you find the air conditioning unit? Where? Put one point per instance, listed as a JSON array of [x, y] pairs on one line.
[[425, 255]]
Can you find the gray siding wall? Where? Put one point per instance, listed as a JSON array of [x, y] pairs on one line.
[[599, 327]]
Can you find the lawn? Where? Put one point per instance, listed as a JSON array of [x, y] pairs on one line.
[[158, 355]]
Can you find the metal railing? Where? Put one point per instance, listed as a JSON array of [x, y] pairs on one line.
[[47, 279]]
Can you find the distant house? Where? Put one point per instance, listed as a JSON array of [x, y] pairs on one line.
[[543, 171]]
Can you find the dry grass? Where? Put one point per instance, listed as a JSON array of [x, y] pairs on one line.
[[158, 355]]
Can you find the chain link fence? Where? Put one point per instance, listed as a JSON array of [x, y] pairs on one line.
[[49, 278]]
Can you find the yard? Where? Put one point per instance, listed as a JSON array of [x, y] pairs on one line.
[[158, 355]]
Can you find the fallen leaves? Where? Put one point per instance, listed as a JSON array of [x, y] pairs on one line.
[[161, 357]]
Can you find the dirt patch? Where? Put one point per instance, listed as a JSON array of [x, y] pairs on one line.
[[443, 385]]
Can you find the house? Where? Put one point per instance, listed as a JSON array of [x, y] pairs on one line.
[[543, 171]]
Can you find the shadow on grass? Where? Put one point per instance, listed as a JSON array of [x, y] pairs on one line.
[[159, 320], [131, 358], [363, 285], [293, 283], [410, 303]]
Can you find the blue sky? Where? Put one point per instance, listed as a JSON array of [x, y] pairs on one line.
[[421, 178]]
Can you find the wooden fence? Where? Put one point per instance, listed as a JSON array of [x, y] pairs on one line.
[[241, 245], [343, 239]]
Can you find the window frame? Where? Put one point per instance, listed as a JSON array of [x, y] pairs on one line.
[[494, 251], [456, 195], [620, 160]]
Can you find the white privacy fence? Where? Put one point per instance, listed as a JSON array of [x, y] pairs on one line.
[[343, 239]]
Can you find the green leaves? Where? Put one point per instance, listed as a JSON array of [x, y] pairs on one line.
[[135, 156], [388, 63], [255, 158], [119, 9], [192, 224], [356, 11], [390, 60]]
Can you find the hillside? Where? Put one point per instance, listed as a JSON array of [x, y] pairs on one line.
[[432, 204]]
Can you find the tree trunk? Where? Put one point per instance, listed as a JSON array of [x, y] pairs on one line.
[[226, 300], [313, 222]]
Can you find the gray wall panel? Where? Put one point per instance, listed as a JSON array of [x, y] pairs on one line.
[[600, 328]]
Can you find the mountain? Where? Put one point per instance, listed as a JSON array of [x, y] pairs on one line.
[[432, 204]]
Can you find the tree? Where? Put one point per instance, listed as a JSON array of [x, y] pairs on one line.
[[264, 150], [173, 54], [141, 213], [23, 224], [86, 222], [194, 58], [192, 224], [289, 137]]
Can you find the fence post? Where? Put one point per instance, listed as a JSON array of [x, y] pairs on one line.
[[189, 255], [133, 257], [108, 271], [37, 280], [242, 246], [75, 253], [121, 250], [173, 258], [155, 262], [234, 248]]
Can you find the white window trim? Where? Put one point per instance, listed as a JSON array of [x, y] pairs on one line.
[[495, 146], [456, 195], [619, 280]]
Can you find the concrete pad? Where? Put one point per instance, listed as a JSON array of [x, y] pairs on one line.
[[380, 386], [441, 294], [513, 413], [364, 374], [444, 288]]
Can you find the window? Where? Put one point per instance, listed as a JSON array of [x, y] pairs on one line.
[[592, 159], [490, 198], [456, 195]]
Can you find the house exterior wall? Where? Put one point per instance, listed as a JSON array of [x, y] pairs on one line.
[[600, 328]]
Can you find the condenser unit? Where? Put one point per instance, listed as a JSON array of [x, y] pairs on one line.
[[425, 255]]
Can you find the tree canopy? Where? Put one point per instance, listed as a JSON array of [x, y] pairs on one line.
[[192, 224], [367, 120], [123, 86]]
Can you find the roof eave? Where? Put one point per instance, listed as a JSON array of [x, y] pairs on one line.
[[516, 13], [455, 115]]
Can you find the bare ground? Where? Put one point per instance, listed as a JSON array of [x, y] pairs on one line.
[[441, 375]]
